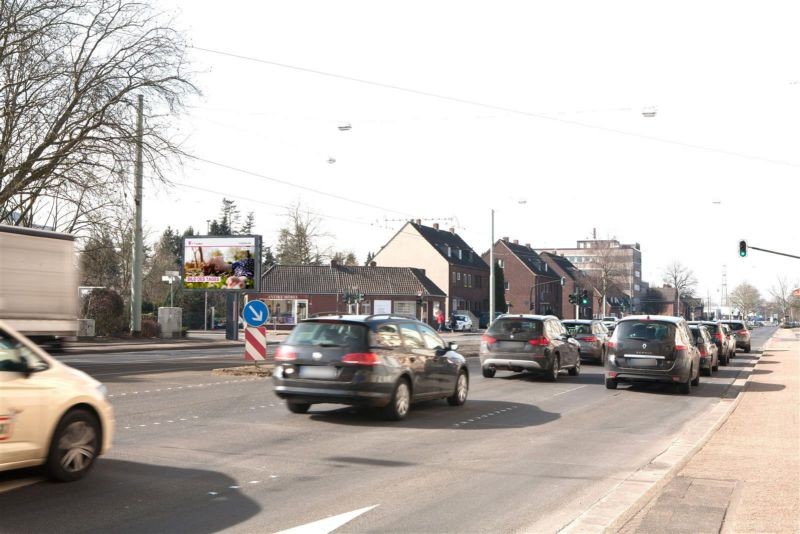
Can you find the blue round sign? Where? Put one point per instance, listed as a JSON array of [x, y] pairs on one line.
[[255, 313]]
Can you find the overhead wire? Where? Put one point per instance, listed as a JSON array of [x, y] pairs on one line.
[[505, 109]]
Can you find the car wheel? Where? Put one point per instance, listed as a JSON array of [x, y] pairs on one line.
[[298, 407], [611, 383], [575, 371], [715, 367], [747, 349], [488, 372], [684, 388], [75, 445], [398, 407], [695, 381], [459, 397], [552, 376], [706, 372]]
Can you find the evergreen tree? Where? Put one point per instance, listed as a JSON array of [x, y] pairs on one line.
[[499, 289], [370, 257]]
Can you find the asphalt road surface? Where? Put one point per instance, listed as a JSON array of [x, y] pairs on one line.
[[197, 452]]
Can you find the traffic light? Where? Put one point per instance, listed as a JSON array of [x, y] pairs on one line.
[[742, 248], [572, 298], [585, 298], [419, 300]]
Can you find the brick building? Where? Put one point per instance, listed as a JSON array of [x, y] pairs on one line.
[[448, 261], [295, 292], [530, 284], [562, 267]]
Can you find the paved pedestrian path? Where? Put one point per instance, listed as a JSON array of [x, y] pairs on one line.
[[746, 478]]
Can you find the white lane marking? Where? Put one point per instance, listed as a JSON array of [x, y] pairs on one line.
[[569, 390], [329, 524], [234, 487], [254, 482], [273, 476], [9, 485], [212, 493]]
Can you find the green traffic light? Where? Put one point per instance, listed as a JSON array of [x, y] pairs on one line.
[[742, 248]]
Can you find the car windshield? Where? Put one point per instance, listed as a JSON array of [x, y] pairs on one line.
[[328, 334], [577, 328], [737, 326], [528, 328], [647, 330], [696, 333]]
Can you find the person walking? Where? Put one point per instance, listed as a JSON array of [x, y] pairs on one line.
[[439, 319]]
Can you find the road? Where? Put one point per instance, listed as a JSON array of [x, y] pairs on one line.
[[197, 452]]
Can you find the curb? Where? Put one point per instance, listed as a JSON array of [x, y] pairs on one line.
[[149, 347], [630, 496]]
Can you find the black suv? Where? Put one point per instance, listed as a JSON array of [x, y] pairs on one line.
[[536, 343], [653, 348], [376, 360]]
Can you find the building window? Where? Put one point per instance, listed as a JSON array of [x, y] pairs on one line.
[[460, 254], [500, 263], [506, 285], [449, 251], [454, 277], [405, 307], [458, 277], [636, 287]]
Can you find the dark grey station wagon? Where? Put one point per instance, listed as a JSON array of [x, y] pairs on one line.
[[382, 361]]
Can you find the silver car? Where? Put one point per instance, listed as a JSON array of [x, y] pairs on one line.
[[592, 335]]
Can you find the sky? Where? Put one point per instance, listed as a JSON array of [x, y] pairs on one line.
[[530, 109]]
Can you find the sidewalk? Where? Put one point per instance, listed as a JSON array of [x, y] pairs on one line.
[[746, 478]]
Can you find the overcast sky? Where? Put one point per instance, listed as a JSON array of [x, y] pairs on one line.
[[538, 102]]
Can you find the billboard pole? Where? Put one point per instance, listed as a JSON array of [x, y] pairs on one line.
[[136, 286]]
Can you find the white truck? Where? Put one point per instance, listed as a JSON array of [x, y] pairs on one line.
[[39, 284]]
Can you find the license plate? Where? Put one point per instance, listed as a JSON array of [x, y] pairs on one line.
[[322, 371], [642, 362]]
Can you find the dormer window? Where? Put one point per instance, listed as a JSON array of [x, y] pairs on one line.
[[460, 254], [449, 252]]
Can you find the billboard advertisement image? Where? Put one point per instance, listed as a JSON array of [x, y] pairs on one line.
[[221, 262]]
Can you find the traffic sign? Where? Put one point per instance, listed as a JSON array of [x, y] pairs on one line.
[[255, 313], [255, 343]]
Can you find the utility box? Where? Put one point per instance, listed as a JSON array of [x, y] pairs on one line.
[[171, 322], [85, 328]]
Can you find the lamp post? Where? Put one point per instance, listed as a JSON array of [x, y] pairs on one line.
[[491, 276]]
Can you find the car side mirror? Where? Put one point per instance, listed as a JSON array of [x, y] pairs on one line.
[[452, 346]]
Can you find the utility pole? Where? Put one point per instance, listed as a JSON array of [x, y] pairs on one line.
[[491, 275], [136, 287]]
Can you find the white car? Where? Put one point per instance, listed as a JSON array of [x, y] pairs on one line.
[[50, 413], [463, 323]]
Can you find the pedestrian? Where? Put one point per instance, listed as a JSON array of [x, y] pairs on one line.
[[439, 319], [452, 321]]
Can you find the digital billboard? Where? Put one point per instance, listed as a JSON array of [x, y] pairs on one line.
[[221, 262]]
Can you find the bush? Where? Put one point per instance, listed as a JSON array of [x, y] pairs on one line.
[[150, 328], [107, 309]]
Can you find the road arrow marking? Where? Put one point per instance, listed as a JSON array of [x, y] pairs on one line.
[[329, 524]]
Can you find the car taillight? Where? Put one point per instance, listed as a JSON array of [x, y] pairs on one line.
[[612, 344], [539, 341], [718, 336], [361, 358], [285, 354], [702, 351], [681, 347], [589, 338], [742, 332], [489, 340]]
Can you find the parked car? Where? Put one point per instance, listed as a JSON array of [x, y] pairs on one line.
[[535, 343], [50, 413], [592, 336], [742, 334], [463, 323], [653, 348], [382, 361], [709, 353], [723, 339], [473, 319], [610, 321], [483, 319]]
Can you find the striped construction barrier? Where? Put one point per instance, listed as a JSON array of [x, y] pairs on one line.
[[255, 343]]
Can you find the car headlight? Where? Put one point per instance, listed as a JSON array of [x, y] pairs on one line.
[[102, 390]]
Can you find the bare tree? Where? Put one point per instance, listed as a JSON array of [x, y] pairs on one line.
[[682, 279], [299, 240], [70, 73], [606, 270], [782, 293], [745, 297]]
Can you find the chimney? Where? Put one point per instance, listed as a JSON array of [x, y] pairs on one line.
[[452, 230], [418, 221], [516, 241], [528, 245], [373, 264], [435, 226], [505, 239]]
